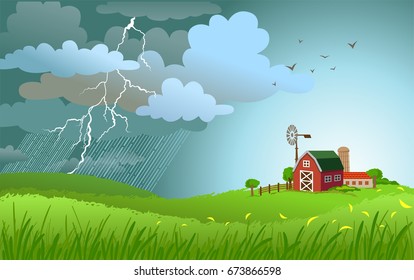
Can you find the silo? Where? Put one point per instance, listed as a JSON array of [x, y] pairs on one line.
[[343, 153]]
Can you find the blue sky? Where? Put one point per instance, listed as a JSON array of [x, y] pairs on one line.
[[365, 104]]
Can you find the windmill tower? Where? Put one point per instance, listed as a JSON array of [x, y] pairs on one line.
[[343, 153]]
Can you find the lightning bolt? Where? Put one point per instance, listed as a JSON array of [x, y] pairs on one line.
[[85, 134], [128, 27]]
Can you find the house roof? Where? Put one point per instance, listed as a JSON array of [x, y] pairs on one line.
[[326, 160], [356, 175]]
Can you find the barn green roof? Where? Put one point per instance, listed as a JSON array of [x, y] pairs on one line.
[[327, 160]]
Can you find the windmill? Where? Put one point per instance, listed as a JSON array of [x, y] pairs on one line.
[[292, 138]]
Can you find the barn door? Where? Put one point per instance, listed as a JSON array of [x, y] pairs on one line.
[[306, 180]]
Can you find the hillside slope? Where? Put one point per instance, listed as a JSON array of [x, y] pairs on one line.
[[67, 183]]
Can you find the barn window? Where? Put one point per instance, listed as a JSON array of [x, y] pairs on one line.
[[337, 178], [366, 183], [347, 182], [360, 183], [353, 183], [328, 179], [306, 163]]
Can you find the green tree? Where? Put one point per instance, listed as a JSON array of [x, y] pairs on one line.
[[288, 174], [252, 183], [375, 172]]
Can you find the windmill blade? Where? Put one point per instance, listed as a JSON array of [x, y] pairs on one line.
[[292, 134]]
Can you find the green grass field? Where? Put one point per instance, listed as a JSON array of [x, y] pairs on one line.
[[81, 217]]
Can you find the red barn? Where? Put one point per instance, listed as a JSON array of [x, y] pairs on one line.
[[318, 171]]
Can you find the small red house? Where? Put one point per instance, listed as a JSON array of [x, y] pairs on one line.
[[317, 171], [358, 180]]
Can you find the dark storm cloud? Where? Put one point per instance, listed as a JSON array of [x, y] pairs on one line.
[[159, 11], [35, 23], [71, 89], [170, 47], [9, 155], [31, 116]]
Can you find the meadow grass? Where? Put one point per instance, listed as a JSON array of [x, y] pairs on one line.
[[224, 207], [36, 227]]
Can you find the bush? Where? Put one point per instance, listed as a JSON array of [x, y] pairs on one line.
[[344, 188], [385, 181], [380, 179]]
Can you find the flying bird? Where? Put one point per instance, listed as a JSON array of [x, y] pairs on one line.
[[300, 41], [352, 45], [325, 56], [312, 70], [274, 83], [291, 67], [333, 68]]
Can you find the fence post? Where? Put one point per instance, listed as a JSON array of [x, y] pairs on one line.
[[269, 188], [290, 183], [278, 187], [260, 190]]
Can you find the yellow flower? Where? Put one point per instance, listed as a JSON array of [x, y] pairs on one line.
[[334, 221], [404, 205], [365, 213], [184, 225], [310, 220], [282, 216], [393, 214], [350, 207], [226, 223], [247, 216], [345, 227], [159, 222], [211, 219]]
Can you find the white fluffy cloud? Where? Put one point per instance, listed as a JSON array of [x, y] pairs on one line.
[[68, 61], [225, 59], [187, 102]]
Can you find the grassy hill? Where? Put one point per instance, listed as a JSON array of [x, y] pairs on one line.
[[60, 182], [65, 219], [228, 206]]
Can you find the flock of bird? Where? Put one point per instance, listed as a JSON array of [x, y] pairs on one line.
[[292, 67]]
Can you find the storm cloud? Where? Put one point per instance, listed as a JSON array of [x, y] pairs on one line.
[[35, 23], [32, 117], [9, 155], [73, 90], [170, 10], [170, 47]]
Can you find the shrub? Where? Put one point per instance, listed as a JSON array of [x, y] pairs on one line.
[[344, 188], [385, 181]]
